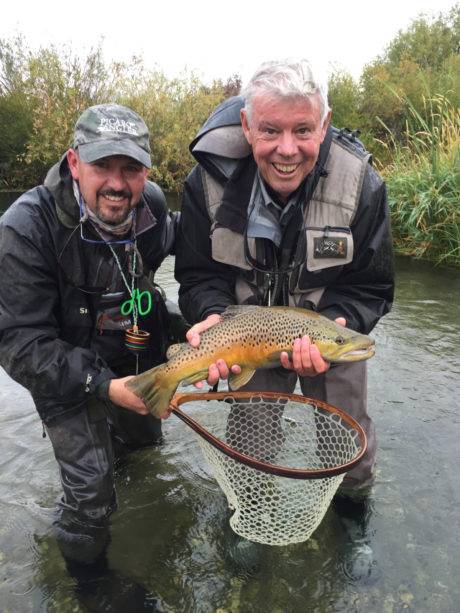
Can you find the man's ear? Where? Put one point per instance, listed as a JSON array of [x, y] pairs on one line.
[[245, 125], [72, 160]]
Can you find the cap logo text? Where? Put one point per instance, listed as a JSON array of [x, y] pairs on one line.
[[111, 124]]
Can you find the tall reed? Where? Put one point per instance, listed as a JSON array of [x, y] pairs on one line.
[[424, 183]]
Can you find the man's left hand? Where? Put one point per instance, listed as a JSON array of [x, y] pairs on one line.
[[306, 359]]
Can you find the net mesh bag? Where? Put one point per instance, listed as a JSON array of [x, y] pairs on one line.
[[279, 459]]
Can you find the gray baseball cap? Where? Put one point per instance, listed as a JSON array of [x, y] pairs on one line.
[[112, 129]]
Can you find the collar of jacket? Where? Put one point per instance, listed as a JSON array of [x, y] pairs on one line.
[[232, 212], [58, 182]]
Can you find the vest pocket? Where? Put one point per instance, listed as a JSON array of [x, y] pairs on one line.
[[228, 247], [328, 246], [76, 322]]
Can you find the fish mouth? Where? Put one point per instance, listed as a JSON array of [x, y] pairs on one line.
[[356, 355]]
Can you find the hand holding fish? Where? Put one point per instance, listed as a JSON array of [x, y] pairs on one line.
[[194, 333], [306, 358], [122, 396], [219, 369]]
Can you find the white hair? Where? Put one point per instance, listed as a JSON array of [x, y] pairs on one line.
[[286, 79]]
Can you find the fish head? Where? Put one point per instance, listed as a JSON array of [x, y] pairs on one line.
[[339, 344]]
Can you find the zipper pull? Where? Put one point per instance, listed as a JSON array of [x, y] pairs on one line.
[[44, 431], [268, 289]]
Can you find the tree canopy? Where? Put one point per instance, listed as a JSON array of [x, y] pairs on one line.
[[43, 92]]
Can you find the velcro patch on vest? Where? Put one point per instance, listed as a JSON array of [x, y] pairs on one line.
[[330, 247]]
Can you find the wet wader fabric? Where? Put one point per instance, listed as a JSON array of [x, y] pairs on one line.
[[85, 446], [87, 443]]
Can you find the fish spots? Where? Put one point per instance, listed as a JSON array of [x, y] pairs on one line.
[[249, 333]]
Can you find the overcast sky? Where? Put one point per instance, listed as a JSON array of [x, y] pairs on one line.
[[217, 39]]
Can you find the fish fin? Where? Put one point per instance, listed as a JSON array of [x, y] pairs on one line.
[[174, 349], [156, 388], [234, 310], [236, 381], [198, 376]]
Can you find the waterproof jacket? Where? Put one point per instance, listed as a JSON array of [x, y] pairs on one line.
[[358, 287], [52, 284]]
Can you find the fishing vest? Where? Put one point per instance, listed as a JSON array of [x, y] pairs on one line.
[[327, 219]]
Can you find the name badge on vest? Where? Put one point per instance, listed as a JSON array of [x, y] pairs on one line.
[[330, 247]]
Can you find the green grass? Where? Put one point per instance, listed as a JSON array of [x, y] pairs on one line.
[[424, 184]]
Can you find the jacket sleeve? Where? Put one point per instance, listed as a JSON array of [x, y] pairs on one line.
[[206, 286], [31, 352], [170, 231], [363, 292]]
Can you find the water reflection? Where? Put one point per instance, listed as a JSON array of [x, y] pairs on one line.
[[171, 534]]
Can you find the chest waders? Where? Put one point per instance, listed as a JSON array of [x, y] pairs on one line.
[[328, 242], [87, 441]]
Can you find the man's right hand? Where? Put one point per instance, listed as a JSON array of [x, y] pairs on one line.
[[218, 370], [194, 333], [122, 396]]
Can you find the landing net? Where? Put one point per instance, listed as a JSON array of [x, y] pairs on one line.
[[279, 458]]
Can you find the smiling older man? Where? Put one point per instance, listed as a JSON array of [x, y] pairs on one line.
[[284, 209], [73, 252]]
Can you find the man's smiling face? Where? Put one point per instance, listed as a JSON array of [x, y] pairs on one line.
[[285, 135], [111, 186]]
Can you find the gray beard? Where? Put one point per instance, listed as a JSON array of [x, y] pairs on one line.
[[116, 229]]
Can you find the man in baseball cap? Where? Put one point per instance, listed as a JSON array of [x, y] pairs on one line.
[[108, 162], [72, 249]]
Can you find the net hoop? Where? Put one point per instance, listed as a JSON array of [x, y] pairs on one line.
[[281, 471]]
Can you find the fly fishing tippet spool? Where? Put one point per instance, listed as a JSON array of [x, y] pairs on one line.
[[136, 340]]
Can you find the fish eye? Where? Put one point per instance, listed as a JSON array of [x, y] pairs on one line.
[[340, 340]]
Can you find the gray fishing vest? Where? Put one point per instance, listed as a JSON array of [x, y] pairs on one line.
[[327, 220]]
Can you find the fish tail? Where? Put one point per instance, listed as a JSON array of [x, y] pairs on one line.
[[155, 387]]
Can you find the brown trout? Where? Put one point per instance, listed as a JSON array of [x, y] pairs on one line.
[[252, 337]]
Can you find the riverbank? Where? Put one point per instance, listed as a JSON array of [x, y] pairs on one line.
[[424, 187], [405, 244]]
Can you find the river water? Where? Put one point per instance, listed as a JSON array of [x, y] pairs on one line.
[[171, 534]]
